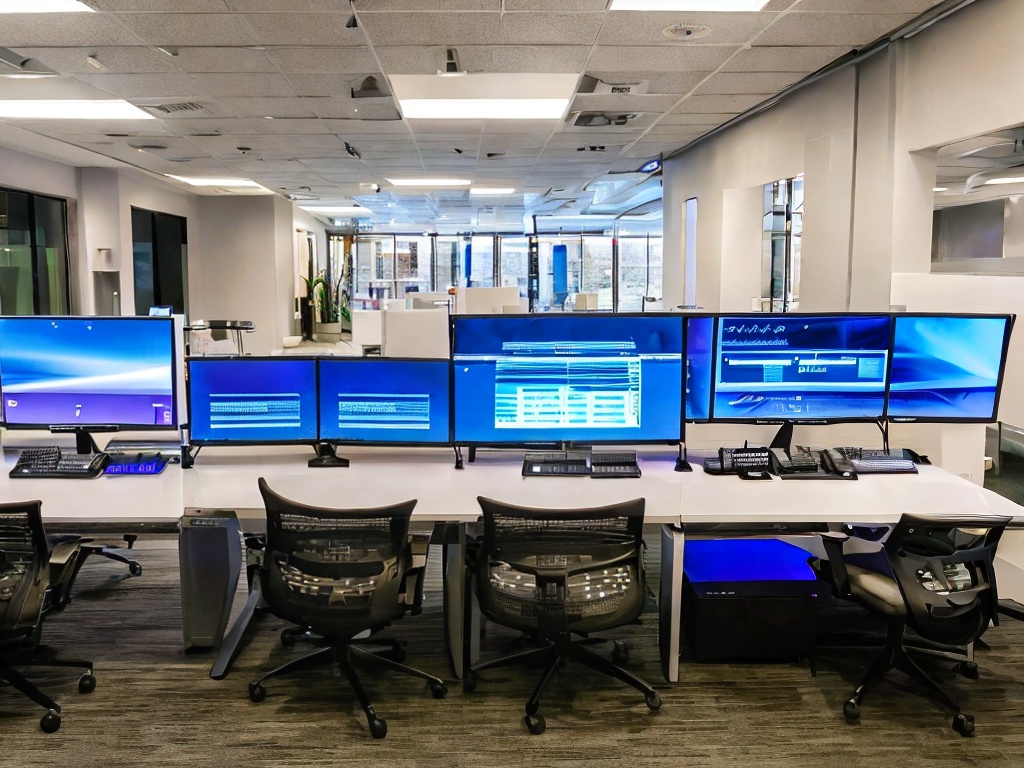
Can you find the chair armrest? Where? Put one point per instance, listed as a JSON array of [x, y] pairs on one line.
[[833, 543], [419, 545]]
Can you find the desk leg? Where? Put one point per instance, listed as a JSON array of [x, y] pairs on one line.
[[455, 598], [232, 643], [670, 598]]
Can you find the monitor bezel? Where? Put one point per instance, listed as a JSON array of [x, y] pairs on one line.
[[345, 360], [176, 418], [541, 444], [1010, 319], [713, 317], [804, 422], [244, 359]]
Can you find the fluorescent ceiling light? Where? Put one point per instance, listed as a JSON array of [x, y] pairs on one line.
[[333, 210], [1007, 180], [71, 109], [202, 182], [483, 109], [429, 182], [688, 5], [44, 6], [471, 96], [940, 189], [492, 190]]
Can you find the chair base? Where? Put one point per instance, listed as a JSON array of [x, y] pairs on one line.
[[895, 655], [50, 721], [343, 654], [555, 657]]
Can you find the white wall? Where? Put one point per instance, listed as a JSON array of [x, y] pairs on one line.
[[32, 174]]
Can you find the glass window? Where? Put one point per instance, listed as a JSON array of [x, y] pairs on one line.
[[515, 262], [780, 256], [412, 264], [447, 271], [375, 270], [597, 270], [480, 255], [33, 254], [159, 260], [639, 274]]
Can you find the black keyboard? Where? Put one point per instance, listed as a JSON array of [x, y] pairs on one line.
[[51, 461], [614, 464], [883, 465]]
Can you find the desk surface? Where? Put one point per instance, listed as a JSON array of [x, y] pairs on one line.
[[225, 478]]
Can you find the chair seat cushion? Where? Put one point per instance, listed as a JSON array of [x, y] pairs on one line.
[[876, 591]]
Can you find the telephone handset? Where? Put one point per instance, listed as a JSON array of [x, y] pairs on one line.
[[783, 462], [835, 461]]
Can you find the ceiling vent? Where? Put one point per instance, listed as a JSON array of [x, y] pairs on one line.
[[179, 109], [625, 89], [598, 119]]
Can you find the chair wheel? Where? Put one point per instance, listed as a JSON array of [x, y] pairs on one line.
[[851, 711], [438, 690], [653, 701], [398, 652], [963, 724], [257, 692], [469, 682], [134, 568], [86, 683], [287, 638], [535, 724], [620, 655], [378, 728], [969, 669], [50, 722]]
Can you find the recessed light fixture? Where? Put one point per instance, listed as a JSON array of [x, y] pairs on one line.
[[71, 109], [471, 96], [203, 182], [1007, 180], [338, 210], [492, 190], [940, 189], [688, 5], [95, 63], [429, 182], [44, 6]]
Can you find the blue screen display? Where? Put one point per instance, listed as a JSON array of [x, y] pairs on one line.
[[700, 343], [574, 378], [384, 401], [801, 368], [946, 368], [252, 400], [87, 371]]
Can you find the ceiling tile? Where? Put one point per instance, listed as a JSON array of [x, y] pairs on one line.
[[239, 85], [749, 82], [785, 59], [647, 28], [64, 29], [304, 29], [454, 29], [328, 60], [260, 108], [597, 102], [160, 6], [195, 29], [143, 86], [117, 60], [868, 6], [714, 104], [199, 60], [659, 59], [819, 29], [355, 109]]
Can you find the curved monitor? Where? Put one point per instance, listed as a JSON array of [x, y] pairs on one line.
[[802, 368], [947, 367], [385, 401], [567, 378], [82, 372], [252, 400]]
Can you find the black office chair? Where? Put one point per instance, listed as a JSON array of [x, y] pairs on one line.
[[934, 575], [339, 573], [555, 573], [34, 582]]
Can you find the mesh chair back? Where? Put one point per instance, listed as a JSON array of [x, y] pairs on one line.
[[553, 571], [337, 571], [24, 567], [944, 568]]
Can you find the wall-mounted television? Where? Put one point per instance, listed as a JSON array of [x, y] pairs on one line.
[[252, 400], [800, 368], [567, 378], [385, 401], [82, 373], [947, 367]]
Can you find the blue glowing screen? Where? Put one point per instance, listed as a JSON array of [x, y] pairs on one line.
[[252, 400], [700, 343], [87, 371], [801, 368], [574, 378], [384, 401], [946, 368]]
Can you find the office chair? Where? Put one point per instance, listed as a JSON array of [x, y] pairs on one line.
[[933, 575], [34, 582], [555, 573], [340, 573]]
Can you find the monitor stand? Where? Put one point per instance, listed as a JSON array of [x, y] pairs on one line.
[[326, 457], [84, 442], [682, 465], [784, 437]]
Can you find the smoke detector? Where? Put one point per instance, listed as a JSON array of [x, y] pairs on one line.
[[686, 31]]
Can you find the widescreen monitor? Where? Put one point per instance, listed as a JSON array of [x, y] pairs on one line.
[[252, 400], [567, 378], [385, 401], [800, 368], [947, 367], [82, 372], [700, 355]]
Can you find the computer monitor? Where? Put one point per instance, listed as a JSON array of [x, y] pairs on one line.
[[252, 400], [700, 356], [87, 374], [800, 368], [161, 311], [947, 367], [385, 401], [563, 378]]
